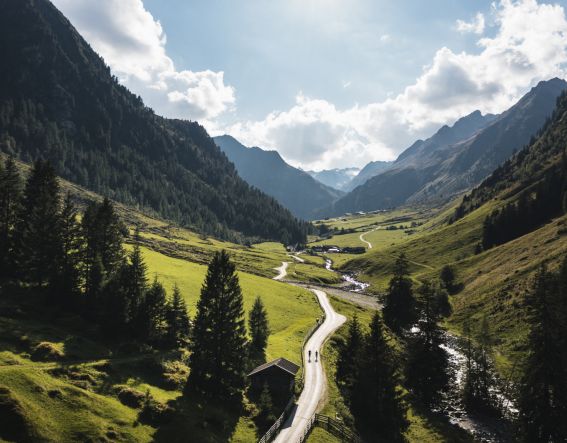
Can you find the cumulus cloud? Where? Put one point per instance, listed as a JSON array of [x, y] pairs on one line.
[[132, 42], [476, 26], [530, 44]]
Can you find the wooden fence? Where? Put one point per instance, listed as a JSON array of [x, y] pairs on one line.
[[332, 426], [272, 432]]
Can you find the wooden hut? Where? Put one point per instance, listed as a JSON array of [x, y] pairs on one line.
[[278, 375]]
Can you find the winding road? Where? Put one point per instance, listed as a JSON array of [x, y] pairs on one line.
[[315, 382], [282, 271]]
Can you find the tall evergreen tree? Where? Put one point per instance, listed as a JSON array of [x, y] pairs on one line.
[[37, 236], [427, 371], [399, 305], [68, 281], [377, 405], [137, 284], [152, 313], [10, 198], [259, 332], [178, 325], [543, 396], [349, 356], [218, 356], [479, 373]]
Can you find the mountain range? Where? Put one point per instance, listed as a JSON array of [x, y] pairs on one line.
[[266, 170], [455, 158], [336, 178], [59, 101]]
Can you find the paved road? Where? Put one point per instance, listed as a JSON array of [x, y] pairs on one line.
[[282, 271], [315, 381]]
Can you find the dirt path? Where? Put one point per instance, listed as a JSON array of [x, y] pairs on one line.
[[282, 271]]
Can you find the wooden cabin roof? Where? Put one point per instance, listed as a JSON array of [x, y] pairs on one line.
[[281, 363]]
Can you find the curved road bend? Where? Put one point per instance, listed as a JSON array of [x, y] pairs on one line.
[[315, 381], [282, 271]]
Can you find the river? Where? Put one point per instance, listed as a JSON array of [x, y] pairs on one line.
[[483, 429]]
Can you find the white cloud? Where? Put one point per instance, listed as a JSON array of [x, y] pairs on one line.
[[385, 38], [476, 26], [132, 42], [530, 45]]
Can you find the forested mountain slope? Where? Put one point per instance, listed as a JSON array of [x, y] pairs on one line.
[[267, 171], [59, 101], [500, 235], [455, 158]]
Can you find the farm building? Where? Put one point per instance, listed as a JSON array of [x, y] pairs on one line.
[[278, 375]]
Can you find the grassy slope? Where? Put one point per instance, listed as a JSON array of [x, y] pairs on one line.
[[174, 255]]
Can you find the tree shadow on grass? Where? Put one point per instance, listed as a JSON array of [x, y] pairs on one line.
[[200, 420]]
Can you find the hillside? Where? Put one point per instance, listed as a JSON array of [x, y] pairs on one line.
[[335, 178], [494, 280], [59, 101], [456, 158], [266, 170]]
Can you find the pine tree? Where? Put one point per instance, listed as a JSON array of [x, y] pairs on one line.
[[377, 405], [259, 332], [152, 312], [427, 371], [479, 374], [218, 348], [37, 236], [178, 325], [399, 305], [68, 281], [137, 284], [447, 277], [543, 396], [349, 355], [10, 199], [266, 407]]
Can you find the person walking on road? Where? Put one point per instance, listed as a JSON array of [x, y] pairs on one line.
[[309, 355], [316, 355]]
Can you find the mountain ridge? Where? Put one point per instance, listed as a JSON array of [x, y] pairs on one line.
[[267, 170], [455, 158], [59, 101]]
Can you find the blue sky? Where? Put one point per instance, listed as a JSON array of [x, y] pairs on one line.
[[327, 83], [313, 46]]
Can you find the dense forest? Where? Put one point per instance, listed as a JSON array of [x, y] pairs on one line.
[[59, 102]]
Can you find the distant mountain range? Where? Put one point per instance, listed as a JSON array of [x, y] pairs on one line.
[[370, 170], [59, 101], [335, 178], [456, 158], [267, 171]]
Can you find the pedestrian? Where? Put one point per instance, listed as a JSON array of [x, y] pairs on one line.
[[309, 355], [316, 355]]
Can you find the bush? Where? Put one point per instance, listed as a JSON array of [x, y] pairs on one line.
[[47, 351], [130, 397], [153, 412]]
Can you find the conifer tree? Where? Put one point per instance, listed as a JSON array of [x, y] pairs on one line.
[[377, 405], [259, 332], [399, 305], [137, 284], [543, 396], [349, 355], [178, 325], [37, 235], [427, 371], [152, 312], [10, 199], [479, 373], [218, 356], [68, 282]]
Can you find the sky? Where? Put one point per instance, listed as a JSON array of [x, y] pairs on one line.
[[326, 83]]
